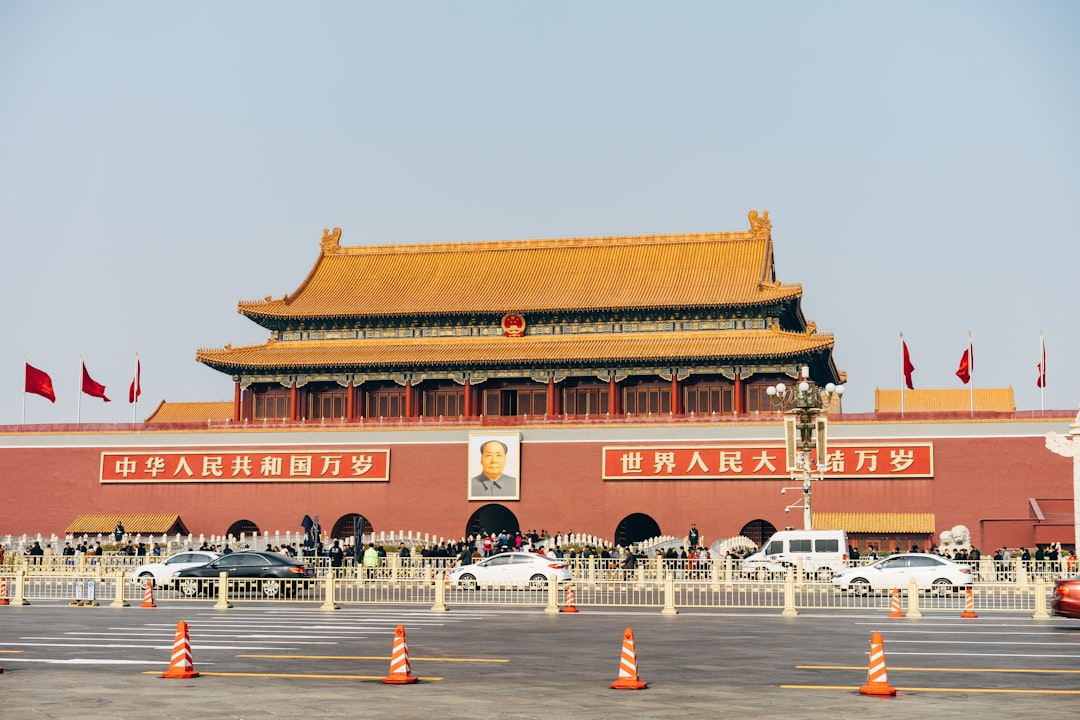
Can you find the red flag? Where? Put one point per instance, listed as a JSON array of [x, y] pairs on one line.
[[908, 367], [136, 389], [1041, 381], [967, 364], [91, 388], [39, 383]]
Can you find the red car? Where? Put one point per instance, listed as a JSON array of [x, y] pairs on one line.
[[1066, 602]]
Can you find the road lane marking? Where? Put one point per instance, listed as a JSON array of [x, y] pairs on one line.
[[1008, 691], [937, 669], [374, 657], [308, 676]]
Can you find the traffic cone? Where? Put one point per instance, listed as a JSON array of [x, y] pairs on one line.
[[180, 664], [969, 604], [399, 661], [3, 594], [628, 677], [895, 610], [876, 681], [570, 607], [148, 595]]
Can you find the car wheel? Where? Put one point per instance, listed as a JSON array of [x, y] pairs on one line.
[[538, 582], [144, 576], [468, 581], [941, 586], [271, 588], [859, 586], [190, 587]]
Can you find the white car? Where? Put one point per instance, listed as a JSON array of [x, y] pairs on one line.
[[510, 568], [161, 572], [930, 572]]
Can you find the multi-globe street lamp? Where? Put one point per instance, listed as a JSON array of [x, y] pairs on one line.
[[805, 430]]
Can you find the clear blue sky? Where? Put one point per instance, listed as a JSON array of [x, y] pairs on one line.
[[161, 161]]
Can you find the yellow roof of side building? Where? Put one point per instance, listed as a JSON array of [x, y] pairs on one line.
[[190, 412], [922, 523], [958, 400], [557, 275]]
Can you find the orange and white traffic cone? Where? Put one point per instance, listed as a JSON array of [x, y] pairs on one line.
[[399, 661], [3, 593], [895, 610], [969, 604], [148, 595], [628, 677], [570, 607], [180, 665], [877, 683]]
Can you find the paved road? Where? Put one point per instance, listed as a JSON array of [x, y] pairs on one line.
[[284, 660]]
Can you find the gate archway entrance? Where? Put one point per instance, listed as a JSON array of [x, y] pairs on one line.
[[242, 527], [344, 527], [635, 528], [491, 519], [758, 530]]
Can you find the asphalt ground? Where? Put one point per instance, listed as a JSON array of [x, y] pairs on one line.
[[285, 660]]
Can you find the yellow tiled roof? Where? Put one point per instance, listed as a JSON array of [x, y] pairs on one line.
[[187, 412], [951, 400], [875, 522], [417, 352], [655, 271], [156, 524]]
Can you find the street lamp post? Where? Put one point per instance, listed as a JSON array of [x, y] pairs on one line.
[[804, 430]]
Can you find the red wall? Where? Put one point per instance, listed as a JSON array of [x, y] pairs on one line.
[[979, 482]]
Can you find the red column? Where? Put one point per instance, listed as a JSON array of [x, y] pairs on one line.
[[349, 402], [408, 398], [294, 406], [551, 409], [676, 408], [236, 403], [740, 394], [613, 395], [467, 412]]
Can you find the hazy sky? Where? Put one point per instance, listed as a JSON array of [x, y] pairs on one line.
[[160, 162]]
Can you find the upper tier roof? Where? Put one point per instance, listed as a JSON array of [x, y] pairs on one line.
[[557, 275]]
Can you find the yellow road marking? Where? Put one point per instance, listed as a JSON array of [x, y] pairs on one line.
[[12, 651], [929, 669], [1013, 691], [374, 657], [298, 675]]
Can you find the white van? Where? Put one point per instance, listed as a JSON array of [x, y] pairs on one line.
[[822, 551]]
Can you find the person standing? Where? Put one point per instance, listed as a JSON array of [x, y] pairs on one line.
[[337, 556], [371, 560]]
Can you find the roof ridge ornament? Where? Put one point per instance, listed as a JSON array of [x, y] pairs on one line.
[[760, 226], [331, 240]]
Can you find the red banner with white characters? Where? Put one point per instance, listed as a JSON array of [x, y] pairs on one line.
[[763, 462], [261, 465]]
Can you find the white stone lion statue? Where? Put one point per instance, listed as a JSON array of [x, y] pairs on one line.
[[959, 538]]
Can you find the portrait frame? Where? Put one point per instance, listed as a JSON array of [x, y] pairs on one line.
[[480, 486]]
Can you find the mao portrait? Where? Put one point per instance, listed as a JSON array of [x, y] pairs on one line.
[[494, 463]]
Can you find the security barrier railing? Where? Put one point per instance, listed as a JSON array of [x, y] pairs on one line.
[[597, 586]]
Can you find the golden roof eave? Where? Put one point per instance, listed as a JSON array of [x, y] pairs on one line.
[[653, 348]]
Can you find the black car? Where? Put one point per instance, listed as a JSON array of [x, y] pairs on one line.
[[266, 572]]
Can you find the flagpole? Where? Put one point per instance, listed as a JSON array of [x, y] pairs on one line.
[[1042, 373], [903, 375], [971, 369], [135, 399], [78, 395], [26, 361]]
